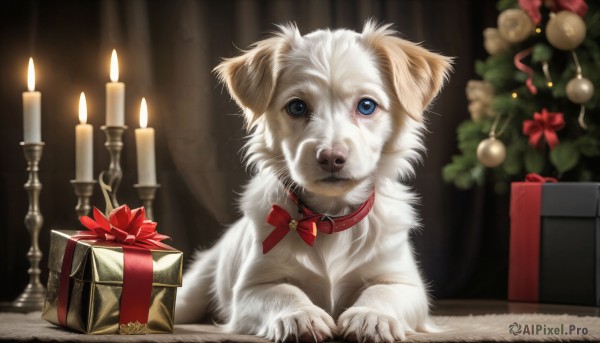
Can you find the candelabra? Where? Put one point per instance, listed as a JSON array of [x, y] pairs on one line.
[[114, 145], [111, 178], [83, 190], [146, 194], [32, 298]]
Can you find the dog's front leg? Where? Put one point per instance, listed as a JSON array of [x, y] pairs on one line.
[[280, 312], [385, 313]]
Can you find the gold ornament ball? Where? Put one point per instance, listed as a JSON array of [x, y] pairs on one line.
[[515, 25], [565, 30], [491, 152], [580, 90], [493, 42]]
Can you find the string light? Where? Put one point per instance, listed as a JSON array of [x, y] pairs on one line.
[[514, 95]]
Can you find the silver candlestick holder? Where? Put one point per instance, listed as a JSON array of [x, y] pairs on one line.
[[114, 145], [146, 194], [83, 191], [34, 295]]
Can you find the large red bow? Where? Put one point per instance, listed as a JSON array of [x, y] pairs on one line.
[[532, 7], [283, 223], [124, 226], [544, 124]]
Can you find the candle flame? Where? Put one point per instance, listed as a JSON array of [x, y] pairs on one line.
[[31, 76], [114, 67], [143, 114], [82, 109]]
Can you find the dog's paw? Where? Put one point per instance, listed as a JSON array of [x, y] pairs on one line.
[[309, 324], [362, 324]]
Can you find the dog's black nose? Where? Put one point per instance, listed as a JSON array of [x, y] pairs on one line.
[[332, 160]]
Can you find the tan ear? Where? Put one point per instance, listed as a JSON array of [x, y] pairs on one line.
[[251, 77], [415, 74]]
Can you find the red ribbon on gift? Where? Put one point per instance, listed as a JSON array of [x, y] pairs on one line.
[[544, 124], [533, 177], [125, 226], [524, 257], [532, 7], [137, 235]]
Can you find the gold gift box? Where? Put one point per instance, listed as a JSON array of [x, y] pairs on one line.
[[96, 281]]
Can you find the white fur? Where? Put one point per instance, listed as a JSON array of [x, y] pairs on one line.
[[362, 283]]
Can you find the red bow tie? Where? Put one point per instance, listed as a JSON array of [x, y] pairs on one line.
[[311, 222]]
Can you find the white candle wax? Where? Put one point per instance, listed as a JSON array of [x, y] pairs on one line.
[[144, 140], [84, 153], [115, 96], [115, 104], [32, 109], [32, 115]]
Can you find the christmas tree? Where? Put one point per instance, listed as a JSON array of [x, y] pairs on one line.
[[536, 109]]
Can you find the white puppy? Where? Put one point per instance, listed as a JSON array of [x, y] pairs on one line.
[[336, 120]]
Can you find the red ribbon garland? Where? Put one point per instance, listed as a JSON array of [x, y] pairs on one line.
[[544, 124], [532, 7], [526, 69], [137, 235]]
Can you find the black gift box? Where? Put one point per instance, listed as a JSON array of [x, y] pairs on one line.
[[569, 270]]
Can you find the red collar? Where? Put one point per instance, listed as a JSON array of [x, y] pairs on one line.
[[311, 222]]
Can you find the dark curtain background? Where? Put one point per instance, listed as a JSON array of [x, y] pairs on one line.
[[166, 52]]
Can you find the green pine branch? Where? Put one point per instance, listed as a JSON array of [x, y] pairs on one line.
[[577, 157]]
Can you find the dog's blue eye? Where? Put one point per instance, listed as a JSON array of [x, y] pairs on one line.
[[366, 106], [297, 108]]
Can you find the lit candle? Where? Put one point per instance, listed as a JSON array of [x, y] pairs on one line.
[[84, 136], [144, 139], [32, 109], [115, 95]]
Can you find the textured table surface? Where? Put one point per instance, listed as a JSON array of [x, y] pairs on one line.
[[471, 328]]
